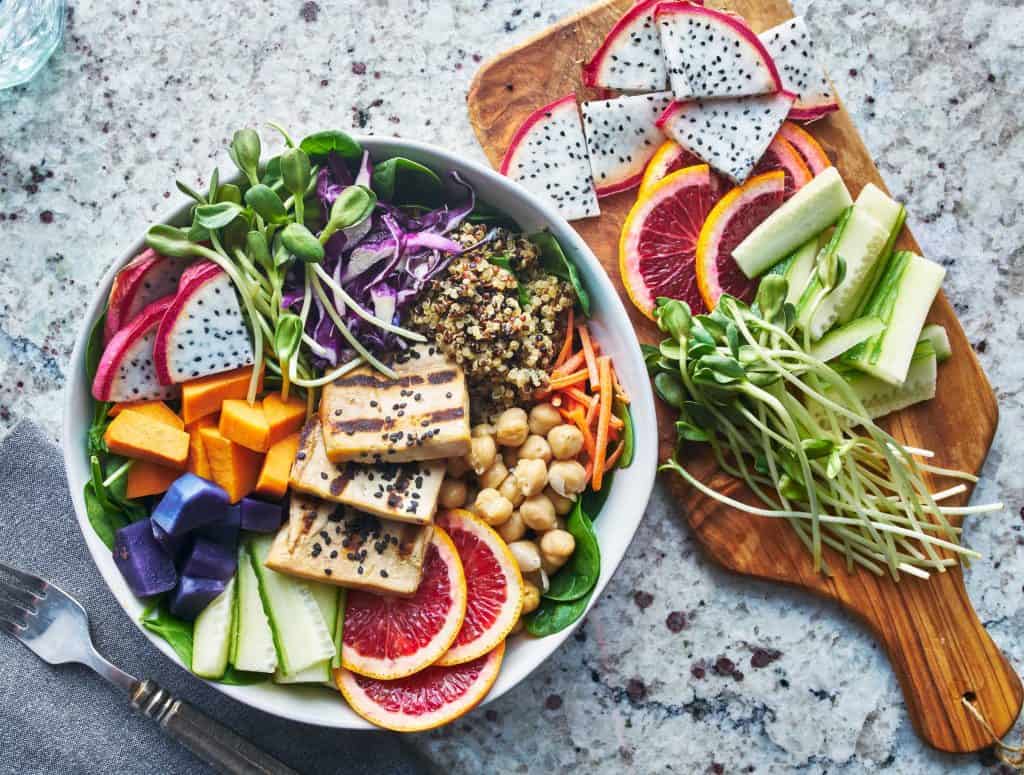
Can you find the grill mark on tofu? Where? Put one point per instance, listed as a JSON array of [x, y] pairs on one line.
[[446, 415], [442, 377], [370, 381], [365, 425]]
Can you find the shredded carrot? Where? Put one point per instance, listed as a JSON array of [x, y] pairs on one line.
[[592, 411], [601, 445], [578, 395], [573, 363], [615, 423], [588, 354], [613, 458], [588, 471], [619, 390], [567, 346], [568, 380]]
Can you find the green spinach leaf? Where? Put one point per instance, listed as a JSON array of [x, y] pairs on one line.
[[400, 180], [318, 145], [94, 346], [578, 577], [554, 616], [623, 412], [555, 262]]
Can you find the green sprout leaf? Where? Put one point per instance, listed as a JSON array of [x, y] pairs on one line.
[[217, 216], [300, 242], [267, 204], [245, 153]]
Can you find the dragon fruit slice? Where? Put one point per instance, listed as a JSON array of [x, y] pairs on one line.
[[125, 371], [792, 48], [203, 331], [622, 136], [630, 58], [729, 134], [713, 54], [146, 278], [548, 157]]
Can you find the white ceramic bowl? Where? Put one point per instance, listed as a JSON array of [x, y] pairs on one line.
[[618, 520]]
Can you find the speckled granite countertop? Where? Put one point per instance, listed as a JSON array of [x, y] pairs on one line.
[[680, 667]]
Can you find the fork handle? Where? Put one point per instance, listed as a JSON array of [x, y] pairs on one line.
[[211, 741]]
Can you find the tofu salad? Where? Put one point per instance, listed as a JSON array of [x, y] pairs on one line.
[[351, 429]]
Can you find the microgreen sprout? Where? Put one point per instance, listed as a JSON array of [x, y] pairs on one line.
[[791, 428]]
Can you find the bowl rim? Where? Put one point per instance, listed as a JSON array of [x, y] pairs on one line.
[[643, 468]]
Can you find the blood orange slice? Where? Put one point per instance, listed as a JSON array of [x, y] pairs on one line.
[[783, 156], [736, 215], [805, 144], [493, 583], [390, 637], [659, 240], [432, 697], [671, 157]]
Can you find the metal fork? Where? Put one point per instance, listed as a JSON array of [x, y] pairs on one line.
[[55, 626]]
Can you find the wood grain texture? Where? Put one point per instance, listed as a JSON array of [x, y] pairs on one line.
[[933, 637]]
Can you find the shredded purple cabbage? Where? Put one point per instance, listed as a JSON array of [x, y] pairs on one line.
[[383, 263]]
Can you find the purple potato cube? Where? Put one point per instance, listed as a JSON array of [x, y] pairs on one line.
[[189, 503], [210, 560], [172, 545], [192, 595], [260, 516], [146, 567], [224, 533]]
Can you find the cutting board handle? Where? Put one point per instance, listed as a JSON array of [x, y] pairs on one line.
[[942, 655]]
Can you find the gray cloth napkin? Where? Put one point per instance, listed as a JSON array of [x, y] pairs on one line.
[[67, 719]]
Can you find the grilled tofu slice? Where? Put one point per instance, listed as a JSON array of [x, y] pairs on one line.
[[423, 414], [330, 543], [406, 492]]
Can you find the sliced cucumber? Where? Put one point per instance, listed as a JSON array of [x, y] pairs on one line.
[[253, 646], [860, 245], [806, 214], [211, 636], [891, 214], [902, 299], [840, 340], [301, 636], [326, 597], [797, 268], [880, 398], [339, 627], [936, 334]]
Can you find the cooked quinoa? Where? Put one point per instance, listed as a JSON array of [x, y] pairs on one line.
[[473, 311]]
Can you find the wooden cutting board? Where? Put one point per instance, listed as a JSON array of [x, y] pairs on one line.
[[937, 646]]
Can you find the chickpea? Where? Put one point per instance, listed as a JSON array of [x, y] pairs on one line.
[[557, 543], [531, 597], [539, 578], [452, 494], [527, 555], [560, 523], [544, 417], [481, 430], [510, 489], [457, 467], [482, 451], [550, 567], [512, 427], [566, 441], [513, 529], [510, 456], [532, 476], [538, 513], [535, 448], [492, 507], [562, 505], [493, 476], [567, 477]]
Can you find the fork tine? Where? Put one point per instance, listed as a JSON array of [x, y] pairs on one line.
[[33, 584], [11, 614], [18, 596]]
